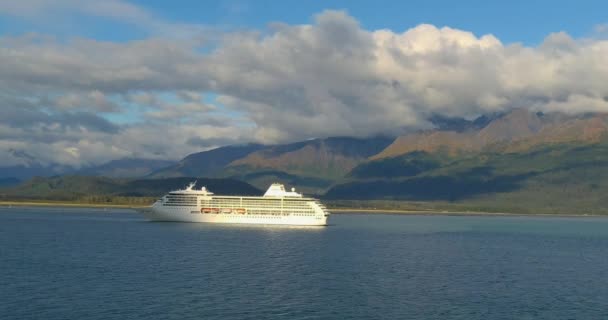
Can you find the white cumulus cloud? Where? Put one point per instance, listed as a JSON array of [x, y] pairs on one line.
[[85, 101]]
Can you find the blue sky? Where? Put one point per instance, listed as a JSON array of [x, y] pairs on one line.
[[87, 81], [511, 21]]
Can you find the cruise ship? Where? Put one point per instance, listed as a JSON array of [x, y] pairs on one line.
[[277, 206]]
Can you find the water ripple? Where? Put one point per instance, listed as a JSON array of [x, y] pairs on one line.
[[70, 264]]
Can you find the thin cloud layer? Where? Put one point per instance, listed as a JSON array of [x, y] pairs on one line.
[[83, 101]]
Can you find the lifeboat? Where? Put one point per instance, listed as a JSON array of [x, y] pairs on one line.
[[240, 211], [205, 210]]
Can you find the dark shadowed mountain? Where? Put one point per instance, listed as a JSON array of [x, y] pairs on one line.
[[24, 172], [9, 182], [560, 178], [28, 166], [444, 123], [311, 165], [125, 168], [207, 163], [78, 187], [327, 158]]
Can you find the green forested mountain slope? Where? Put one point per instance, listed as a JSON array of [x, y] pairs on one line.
[[558, 178]]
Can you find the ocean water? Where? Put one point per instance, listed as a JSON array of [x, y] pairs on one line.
[[95, 264]]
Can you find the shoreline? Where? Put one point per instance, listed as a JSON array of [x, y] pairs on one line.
[[5, 204], [58, 204], [456, 213]]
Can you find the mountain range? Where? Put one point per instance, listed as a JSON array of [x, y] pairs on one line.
[[120, 168], [518, 161], [312, 165], [75, 188]]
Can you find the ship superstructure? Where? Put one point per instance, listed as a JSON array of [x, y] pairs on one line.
[[276, 206]]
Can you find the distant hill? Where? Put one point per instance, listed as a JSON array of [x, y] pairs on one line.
[[27, 166], [206, 163], [77, 187], [121, 168], [125, 168], [24, 172], [311, 165], [9, 182], [328, 158], [444, 123]]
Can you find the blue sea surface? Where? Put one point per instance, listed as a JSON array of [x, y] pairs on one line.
[[58, 263]]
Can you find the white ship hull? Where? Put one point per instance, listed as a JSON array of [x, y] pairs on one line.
[[276, 207], [193, 214]]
